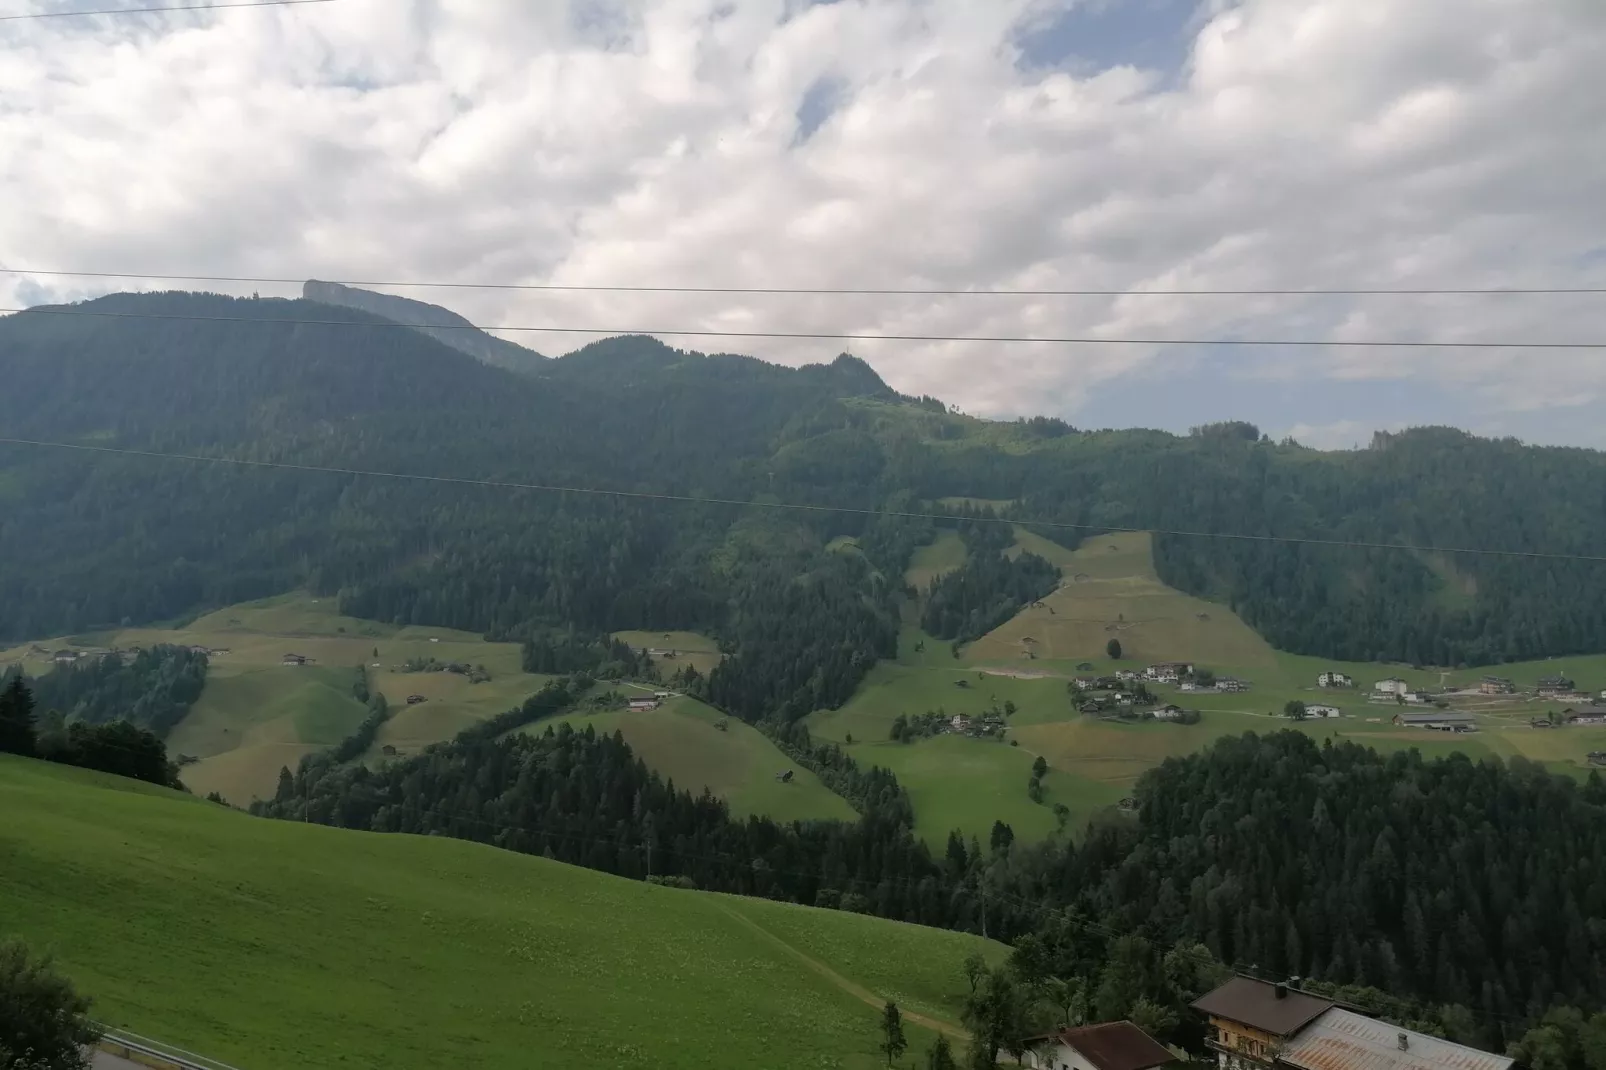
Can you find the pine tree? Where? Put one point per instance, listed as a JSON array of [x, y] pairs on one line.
[[940, 1056], [1113, 649], [892, 1042], [17, 734]]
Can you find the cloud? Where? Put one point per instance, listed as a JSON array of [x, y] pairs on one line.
[[874, 143]]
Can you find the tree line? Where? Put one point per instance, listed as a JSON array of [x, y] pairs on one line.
[[119, 747], [154, 688]]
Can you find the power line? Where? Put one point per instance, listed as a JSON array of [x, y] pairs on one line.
[[160, 10], [829, 291], [641, 495], [819, 335]]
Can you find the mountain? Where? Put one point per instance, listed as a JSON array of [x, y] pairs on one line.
[[101, 539], [435, 322]]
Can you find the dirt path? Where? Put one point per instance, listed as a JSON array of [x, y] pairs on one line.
[[857, 991]]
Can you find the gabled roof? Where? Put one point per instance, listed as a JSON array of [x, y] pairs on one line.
[[1116, 1046], [1344, 1040], [1258, 1005]]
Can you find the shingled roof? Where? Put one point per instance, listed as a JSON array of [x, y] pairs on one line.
[[1275, 1009], [1116, 1046]]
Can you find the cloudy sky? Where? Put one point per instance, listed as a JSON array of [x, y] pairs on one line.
[[1123, 145]]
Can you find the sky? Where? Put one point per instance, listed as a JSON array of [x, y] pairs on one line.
[[1115, 145]]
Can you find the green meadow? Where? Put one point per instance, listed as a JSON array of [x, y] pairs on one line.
[[270, 944], [257, 714], [738, 763], [1109, 590]]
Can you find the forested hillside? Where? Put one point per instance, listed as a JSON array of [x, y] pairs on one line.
[[153, 688], [99, 539]]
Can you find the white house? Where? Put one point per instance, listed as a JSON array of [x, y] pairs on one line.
[[1392, 686], [1109, 1046], [1188, 685], [1334, 679], [1168, 712], [638, 705], [1317, 709], [1126, 674]]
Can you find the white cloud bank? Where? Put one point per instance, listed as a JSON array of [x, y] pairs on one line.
[[1306, 144]]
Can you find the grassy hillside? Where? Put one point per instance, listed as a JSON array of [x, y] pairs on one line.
[[737, 763], [257, 715], [273, 944], [1109, 590]]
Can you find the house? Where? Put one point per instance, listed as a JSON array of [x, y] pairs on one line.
[[1496, 685], [388, 751], [294, 659], [1539, 722], [1168, 712], [1334, 679], [1418, 698], [959, 722], [638, 705], [1086, 683], [1126, 676], [66, 657], [1340, 1037], [1089, 707], [413, 700], [1231, 683], [1549, 685], [1123, 699], [1168, 672], [660, 695], [1249, 1020], [1392, 686], [1317, 709], [1597, 757], [1188, 685], [1442, 721], [1107, 1046]]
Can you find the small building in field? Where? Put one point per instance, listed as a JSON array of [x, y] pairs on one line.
[[294, 659], [66, 657], [1231, 683], [413, 700], [1318, 709], [1334, 679], [1550, 685], [1440, 721], [638, 705], [1496, 685], [1107, 1046], [1418, 698], [1089, 707], [1392, 686], [1597, 757], [1189, 685], [1168, 712]]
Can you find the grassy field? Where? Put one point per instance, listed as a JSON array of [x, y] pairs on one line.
[[688, 648], [1109, 590], [738, 763], [274, 945], [257, 715], [935, 559]]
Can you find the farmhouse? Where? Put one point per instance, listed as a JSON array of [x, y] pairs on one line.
[[638, 705], [1169, 712], [1126, 676], [1167, 672], [959, 722], [1334, 679], [1089, 707], [1249, 1020], [1317, 709], [294, 659], [1418, 698], [66, 657], [1231, 683], [1550, 685], [1442, 721], [1109, 1046], [1496, 685], [1254, 1024], [1392, 686]]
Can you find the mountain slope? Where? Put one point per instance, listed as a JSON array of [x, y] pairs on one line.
[[436, 322], [269, 943]]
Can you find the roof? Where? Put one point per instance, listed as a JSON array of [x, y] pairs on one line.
[[1344, 1040], [1116, 1046], [1427, 718], [1256, 1004]]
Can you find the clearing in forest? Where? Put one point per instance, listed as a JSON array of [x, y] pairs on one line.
[[681, 741]]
